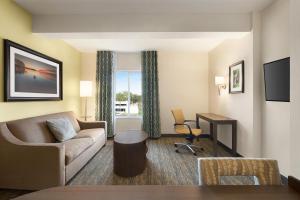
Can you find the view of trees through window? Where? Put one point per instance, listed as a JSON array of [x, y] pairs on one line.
[[128, 100]]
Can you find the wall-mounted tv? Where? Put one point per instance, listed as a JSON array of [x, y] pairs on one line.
[[277, 80]]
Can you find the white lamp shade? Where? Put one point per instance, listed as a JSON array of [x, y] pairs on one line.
[[85, 88], [219, 80]]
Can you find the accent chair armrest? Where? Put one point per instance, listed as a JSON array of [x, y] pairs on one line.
[[187, 125], [189, 120]]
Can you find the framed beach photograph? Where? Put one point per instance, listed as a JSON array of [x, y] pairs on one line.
[[236, 78], [30, 75]]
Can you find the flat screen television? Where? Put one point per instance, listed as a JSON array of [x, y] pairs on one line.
[[277, 80]]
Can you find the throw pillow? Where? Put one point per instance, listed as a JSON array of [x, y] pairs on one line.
[[61, 128]]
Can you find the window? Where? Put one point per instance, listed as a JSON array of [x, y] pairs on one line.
[[128, 98]]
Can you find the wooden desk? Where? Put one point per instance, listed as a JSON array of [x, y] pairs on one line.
[[165, 193], [214, 120]]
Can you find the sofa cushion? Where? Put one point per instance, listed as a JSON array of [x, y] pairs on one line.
[[74, 147], [35, 129], [61, 128], [94, 133]]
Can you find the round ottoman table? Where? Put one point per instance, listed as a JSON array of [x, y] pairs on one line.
[[130, 151]]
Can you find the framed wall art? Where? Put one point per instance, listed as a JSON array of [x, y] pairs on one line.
[[30, 75], [236, 78]]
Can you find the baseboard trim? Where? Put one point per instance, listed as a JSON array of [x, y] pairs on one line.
[[173, 135], [228, 149], [182, 135]]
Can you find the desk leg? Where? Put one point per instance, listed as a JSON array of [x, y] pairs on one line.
[[211, 131], [197, 122], [215, 139], [234, 138]]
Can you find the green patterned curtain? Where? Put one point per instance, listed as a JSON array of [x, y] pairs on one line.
[[104, 87], [151, 115]]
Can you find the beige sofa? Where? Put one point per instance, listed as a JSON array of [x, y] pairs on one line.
[[31, 158]]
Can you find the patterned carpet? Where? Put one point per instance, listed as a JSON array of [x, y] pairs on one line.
[[164, 167]]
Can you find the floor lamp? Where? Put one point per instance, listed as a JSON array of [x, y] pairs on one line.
[[85, 91]]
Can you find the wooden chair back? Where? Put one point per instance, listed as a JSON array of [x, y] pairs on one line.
[[212, 169]]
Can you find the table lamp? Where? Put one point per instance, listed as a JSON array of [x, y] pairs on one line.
[[85, 91]]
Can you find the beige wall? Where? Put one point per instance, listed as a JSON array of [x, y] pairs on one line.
[[236, 106], [295, 89], [16, 25], [276, 115], [183, 83]]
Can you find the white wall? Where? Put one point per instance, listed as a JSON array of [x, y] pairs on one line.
[[258, 89], [128, 61], [236, 106], [295, 88], [276, 115], [274, 129], [183, 83], [264, 128]]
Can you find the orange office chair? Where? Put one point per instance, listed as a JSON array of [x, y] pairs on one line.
[[182, 127]]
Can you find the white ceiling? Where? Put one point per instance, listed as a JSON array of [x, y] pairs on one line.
[[88, 7], [167, 22], [130, 42]]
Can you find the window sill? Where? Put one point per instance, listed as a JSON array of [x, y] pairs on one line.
[[128, 117]]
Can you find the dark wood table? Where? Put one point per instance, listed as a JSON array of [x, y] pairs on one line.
[[214, 120], [165, 193], [130, 151]]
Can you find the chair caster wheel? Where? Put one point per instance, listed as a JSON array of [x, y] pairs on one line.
[[195, 154], [175, 145], [202, 149], [176, 151]]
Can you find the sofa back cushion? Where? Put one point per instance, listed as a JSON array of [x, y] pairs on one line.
[[35, 129]]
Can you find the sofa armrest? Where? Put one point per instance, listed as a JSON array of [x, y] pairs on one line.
[[96, 124], [30, 166], [89, 125]]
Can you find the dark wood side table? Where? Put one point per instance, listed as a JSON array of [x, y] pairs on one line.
[[294, 183], [130, 151], [214, 120]]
